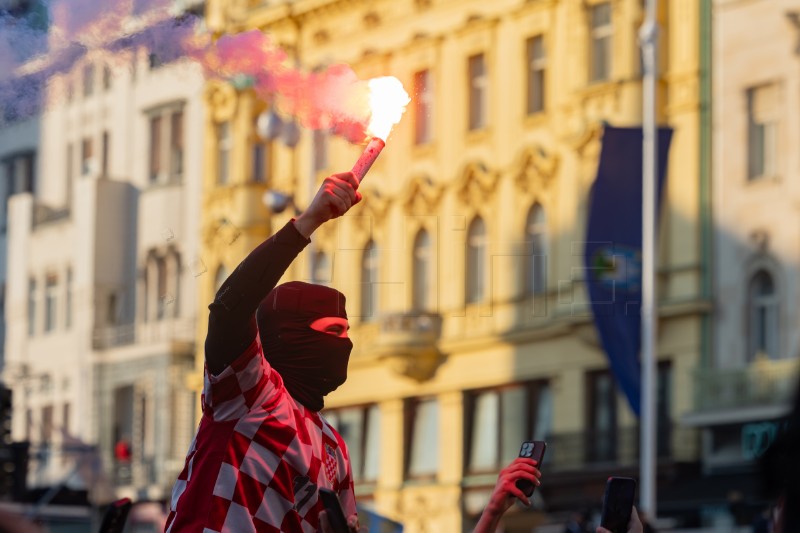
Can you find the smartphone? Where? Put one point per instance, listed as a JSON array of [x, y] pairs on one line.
[[115, 517], [618, 504], [533, 449], [334, 510]]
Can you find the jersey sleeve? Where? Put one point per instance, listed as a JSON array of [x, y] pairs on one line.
[[247, 381]]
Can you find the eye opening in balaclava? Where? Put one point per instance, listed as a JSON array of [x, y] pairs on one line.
[[312, 363]]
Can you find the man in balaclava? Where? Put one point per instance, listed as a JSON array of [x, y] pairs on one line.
[[262, 450]]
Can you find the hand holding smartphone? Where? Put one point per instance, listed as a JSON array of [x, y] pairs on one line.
[[334, 512], [618, 504], [116, 515], [532, 450]]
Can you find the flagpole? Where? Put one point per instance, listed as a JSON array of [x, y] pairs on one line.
[[648, 37]]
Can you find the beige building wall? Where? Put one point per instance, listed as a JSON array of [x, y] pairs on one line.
[[497, 172]]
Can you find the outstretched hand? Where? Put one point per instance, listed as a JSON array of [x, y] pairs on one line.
[[337, 194], [506, 491]]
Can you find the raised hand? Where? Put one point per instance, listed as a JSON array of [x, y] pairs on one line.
[[337, 194]]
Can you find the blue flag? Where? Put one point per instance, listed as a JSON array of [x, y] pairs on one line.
[[613, 253]]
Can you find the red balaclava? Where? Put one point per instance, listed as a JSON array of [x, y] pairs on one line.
[[311, 363]]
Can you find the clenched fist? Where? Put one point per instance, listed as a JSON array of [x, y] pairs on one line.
[[334, 198]]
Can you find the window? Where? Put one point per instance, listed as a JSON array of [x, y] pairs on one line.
[[19, 170], [422, 298], [536, 74], [155, 148], [161, 305], [369, 282], [32, 306], [113, 308], [104, 155], [321, 271], [65, 418], [224, 144], [173, 262], [498, 420], [763, 319], [166, 144], [320, 140], [360, 428], [478, 87], [536, 259], [262, 161], [221, 276], [476, 262], [70, 172], [50, 302], [68, 300], [46, 428], [88, 80], [601, 438], [763, 111], [87, 161], [423, 106], [107, 77], [600, 34], [423, 452], [176, 144], [28, 424], [664, 401]]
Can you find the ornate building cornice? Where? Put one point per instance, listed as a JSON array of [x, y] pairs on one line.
[[220, 100], [422, 196], [537, 169], [477, 184]]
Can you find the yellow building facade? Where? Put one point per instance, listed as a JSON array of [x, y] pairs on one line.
[[463, 264]]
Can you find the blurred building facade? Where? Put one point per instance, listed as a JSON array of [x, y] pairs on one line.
[[463, 266], [748, 384], [102, 255]]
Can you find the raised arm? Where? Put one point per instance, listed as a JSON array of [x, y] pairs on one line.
[[231, 322]]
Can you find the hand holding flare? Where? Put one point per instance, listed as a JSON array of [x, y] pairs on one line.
[[387, 101]]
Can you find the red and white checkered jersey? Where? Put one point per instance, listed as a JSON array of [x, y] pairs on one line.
[[258, 457]]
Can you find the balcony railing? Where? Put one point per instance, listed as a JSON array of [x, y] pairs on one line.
[[44, 214], [577, 451], [763, 383], [410, 341], [143, 333]]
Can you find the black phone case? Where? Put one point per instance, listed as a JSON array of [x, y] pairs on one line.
[[534, 450], [618, 504], [334, 508], [116, 516]]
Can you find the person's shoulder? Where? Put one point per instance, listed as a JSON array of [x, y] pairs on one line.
[[330, 432]]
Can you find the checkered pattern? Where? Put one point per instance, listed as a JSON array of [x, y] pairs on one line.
[[258, 457]]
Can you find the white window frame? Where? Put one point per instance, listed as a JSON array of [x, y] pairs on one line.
[[601, 35]]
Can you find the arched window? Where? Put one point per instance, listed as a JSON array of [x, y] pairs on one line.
[[321, 269], [763, 319], [152, 286], [422, 296], [220, 277], [369, 282], [173, 282], [476, 262], [536, 256], [161, 297]]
